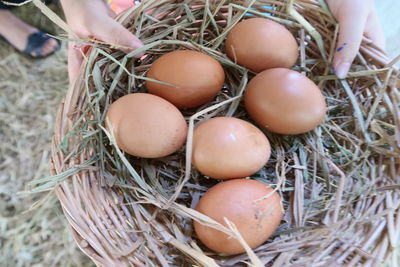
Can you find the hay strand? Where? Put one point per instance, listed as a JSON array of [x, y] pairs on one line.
[[334, 180]]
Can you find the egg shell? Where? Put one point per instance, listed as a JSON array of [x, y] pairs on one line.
[[261, 44], [226, 148], [251, 205], [147, 126], [284, 101], [197, 78]]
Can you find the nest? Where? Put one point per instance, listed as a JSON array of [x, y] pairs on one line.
[[339, 182]]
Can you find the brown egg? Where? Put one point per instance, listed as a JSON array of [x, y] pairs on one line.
[[261, 44], [284, 101], [225, 148], [147, 126], [251, 205], [197, 78]]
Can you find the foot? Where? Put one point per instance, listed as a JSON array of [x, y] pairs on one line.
[[17, 32]]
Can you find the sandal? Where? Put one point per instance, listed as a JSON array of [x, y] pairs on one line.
[[35, 44]]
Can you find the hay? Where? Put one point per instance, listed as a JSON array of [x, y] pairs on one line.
[[33, 230], [338, 182]]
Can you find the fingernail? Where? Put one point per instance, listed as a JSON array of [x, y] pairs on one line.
[[136, 44], [341, 69]]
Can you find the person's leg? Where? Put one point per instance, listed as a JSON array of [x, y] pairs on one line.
[[17, 32], [8, 6]]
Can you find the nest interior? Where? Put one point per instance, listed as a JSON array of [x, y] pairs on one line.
[[339, 182]]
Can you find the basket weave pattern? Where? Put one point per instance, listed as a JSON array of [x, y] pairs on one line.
[[339, 182]]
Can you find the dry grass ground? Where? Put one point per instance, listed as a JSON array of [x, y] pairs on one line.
[[30, 92], [29, 95]]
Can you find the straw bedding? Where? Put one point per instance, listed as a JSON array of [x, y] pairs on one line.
[[339, 183]]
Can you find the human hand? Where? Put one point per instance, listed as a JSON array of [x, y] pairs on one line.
[[94, 19], [355, 17]]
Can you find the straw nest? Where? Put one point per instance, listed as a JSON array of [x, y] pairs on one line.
[[339, 183]]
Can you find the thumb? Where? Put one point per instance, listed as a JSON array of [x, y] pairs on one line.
[[351, 29], [112, 32]]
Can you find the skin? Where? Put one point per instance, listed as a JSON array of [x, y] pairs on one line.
[[93, 18], [17, 31], [356, 18]]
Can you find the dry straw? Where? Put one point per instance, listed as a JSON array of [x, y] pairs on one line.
[[339, 182]]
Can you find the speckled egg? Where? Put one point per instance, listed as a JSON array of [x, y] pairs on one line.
[[254, 208]]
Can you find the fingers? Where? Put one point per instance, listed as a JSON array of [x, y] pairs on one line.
[[373, 30], [112, 32], [93, 18], [75, 59], [351, 28]]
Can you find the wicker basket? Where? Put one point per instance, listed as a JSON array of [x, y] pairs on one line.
[[339, 182]]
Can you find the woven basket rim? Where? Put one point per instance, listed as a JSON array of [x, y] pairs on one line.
[[78, 193]]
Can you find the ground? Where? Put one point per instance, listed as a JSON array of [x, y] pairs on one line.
[[30, 92], [33, 231]]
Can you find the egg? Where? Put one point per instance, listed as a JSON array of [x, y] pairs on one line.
[[146, 125], [195, 78], [284, 101], [254, 208], [226, 147], [259, 44]]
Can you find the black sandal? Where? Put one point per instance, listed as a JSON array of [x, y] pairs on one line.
[[35, 44]]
